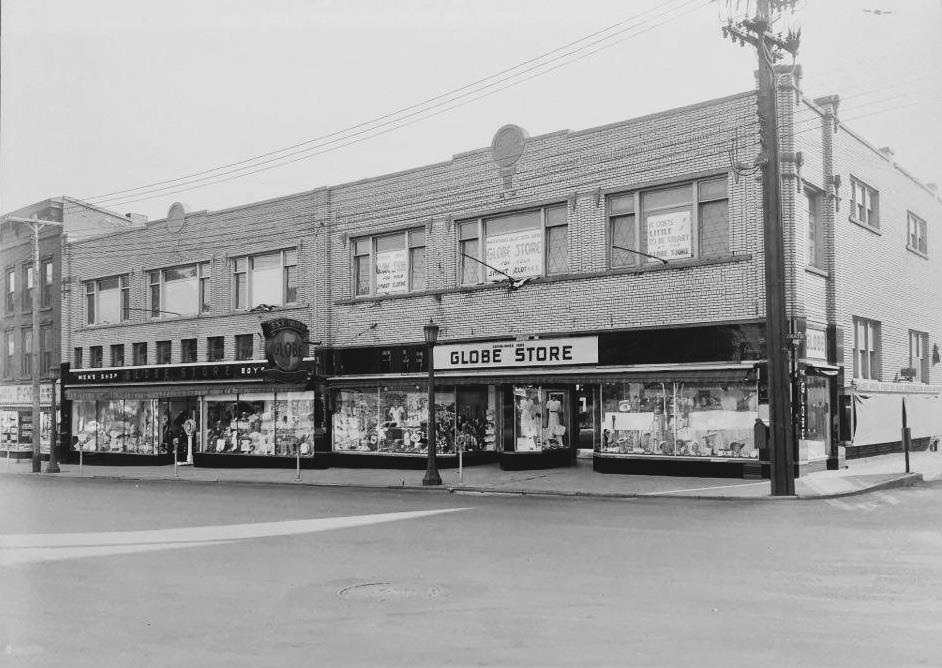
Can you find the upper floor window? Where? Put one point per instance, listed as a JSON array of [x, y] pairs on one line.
[[188, 350], [517, 245], [11, 290], [243, 343], [26, 354], [9, 347], [918, 341], [916, 238], [866, 349], [139, 351], [815, 229], [390, 263], [215, 348], [864, 203], [77, 358], [45, 349], [28, 287], [269, 278], [47, 283], [95, 357], [686, 221], [179, 291], [117, 354], [163, 352], [107, 300]]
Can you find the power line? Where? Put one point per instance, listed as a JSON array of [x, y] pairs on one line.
[[439, 99]]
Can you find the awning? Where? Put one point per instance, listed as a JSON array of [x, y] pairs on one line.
[[828, 370], [155, 391], [878, 418], [924, 414]]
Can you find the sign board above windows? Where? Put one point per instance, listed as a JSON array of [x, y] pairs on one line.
[[506, 354], [815, 344]]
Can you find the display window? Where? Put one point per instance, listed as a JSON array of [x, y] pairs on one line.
[[394, 419], [117, 425], [9, 428], [540, 418], [814, 412], [278, 424], [684, 419]]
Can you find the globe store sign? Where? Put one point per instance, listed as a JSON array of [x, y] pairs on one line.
[[508, 354]]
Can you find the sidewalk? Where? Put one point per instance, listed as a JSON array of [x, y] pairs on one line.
[[859, 476]]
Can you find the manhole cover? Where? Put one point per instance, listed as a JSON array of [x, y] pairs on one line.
[[391, 591]]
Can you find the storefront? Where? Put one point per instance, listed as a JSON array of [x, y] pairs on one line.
[[16, 420], [223, 414], [681, 401]]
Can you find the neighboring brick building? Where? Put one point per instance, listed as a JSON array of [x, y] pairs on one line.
[[601, 289], [20, 297]]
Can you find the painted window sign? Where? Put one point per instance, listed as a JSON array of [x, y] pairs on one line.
[[669, 235], [391, 273], [517, 254], [815, 344]]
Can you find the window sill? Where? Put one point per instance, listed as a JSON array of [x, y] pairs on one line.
[[817, 271], [916, 251], [659, 267], [870, 228]]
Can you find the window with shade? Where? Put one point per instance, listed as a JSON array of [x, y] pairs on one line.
[[674, 223], [179, 291], [815, 229], [523, 244], [918, 360], [107, 300], [864, 203], [917, 238], [866, 349], [269, 279], [389, 263]]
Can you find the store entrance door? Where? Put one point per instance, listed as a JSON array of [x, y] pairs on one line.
[[175, 416]]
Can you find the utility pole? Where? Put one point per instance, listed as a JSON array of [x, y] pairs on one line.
[[757, 31], [36, 225]]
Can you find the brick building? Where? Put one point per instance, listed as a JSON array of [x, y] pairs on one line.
[[600, 290], [76, 220]]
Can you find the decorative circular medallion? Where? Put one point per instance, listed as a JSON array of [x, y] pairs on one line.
[[176, 218], [508, 145]]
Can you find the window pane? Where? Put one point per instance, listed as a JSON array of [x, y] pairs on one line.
[[291, 284], [240, 287], [109, 301], [179, 273], [621, 204], [470, 270], [528, 220], [391, 242], [623, 236], [417, 268], [671, 197], [417, 238], [291, 257], [266, 280], [361, 246], [714, 189], [361, 270], [555, 215], [468, 230], [714, 228], [557, 252], [181, 291]]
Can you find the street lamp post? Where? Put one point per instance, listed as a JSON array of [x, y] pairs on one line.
[[431, 336]]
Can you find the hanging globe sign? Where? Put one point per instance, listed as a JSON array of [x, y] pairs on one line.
[[286, 343]]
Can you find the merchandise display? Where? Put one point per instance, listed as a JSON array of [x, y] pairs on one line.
[[279, 424], [692, 419], [118, 425], [814, 412], [9, 429], [394, 419], [540, 419]]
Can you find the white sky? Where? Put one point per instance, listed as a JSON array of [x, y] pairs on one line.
[[105, 95]]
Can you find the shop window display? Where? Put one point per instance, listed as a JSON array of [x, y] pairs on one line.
[[280, 424], [394, 419], [9, 428], [540, 419], [679, 419], [815, 432], [125, 426]]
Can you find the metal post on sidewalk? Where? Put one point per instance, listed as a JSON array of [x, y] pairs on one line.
[[907, 437], [298, 456]]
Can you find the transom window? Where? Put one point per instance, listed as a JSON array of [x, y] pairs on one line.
[[117, 354], [107, 300], [95, 357], [243, 345], [389, 263], [517, 245], [180, 291], [864, 203], [188, 350], [685, 221], [866, 349], [270, 279], [916, 238], [139, 351]]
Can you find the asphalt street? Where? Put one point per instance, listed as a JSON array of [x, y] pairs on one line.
[[124, 573]]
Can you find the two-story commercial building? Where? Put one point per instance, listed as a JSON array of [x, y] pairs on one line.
[[600, 290]]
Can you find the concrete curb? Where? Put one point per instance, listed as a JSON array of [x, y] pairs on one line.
[[903, 480]]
